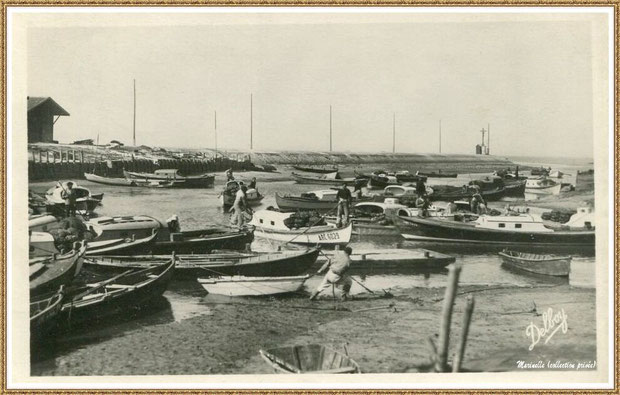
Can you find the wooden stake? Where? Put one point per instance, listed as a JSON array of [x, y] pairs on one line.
[[446, 318], [458, 357]]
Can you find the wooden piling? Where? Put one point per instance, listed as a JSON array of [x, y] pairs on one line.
[[446, 318], [458, 356]]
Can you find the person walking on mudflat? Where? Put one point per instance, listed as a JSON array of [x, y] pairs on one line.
[[337, 275]]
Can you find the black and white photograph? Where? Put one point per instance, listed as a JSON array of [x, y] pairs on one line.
[[222, 197]]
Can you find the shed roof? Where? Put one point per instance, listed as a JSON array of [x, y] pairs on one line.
[[35, 102]]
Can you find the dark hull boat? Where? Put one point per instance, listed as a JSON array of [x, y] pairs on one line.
[[115, 295], [47, 274], [492, 230], [200, 241], [120, 246], [319, 170], [174, 177], [294, 203], [514, 188], [323, 180], [273, 264], [229, 194], [449, 193], [124, 182], [436, 174], [44, 312], [550, 265], [311, 358]]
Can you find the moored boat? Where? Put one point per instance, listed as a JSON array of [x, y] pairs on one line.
[[321, 200], [536, 188], [272, 225], [228, 195], [173, 176], [319, 170], [311, 358], [449, 193], [230, 263], [252, 286], [49, 273], [129, 245], [201, 241], [326, 179], [374, 218], [85, 203], [550, 265], [110, 180], [502, 229], [436, 174], [44, 311], [122, 227]]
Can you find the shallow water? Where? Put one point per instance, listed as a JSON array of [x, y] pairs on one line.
[[199, 207]]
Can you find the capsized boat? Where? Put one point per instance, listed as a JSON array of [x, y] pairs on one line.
[[85, 202], [44, 312], [229, 263], [173, 175], [252, 286], [228, 195], [118, 181], [310, 358], [550, 265], [275, 225], [49, 273], [112, 295], [501, 229]]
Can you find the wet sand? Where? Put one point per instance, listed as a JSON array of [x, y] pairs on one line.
[[386, 339]]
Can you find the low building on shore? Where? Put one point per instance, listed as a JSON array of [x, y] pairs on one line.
[[43, 112]]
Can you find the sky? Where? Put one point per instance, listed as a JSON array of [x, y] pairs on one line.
[[530, 79]]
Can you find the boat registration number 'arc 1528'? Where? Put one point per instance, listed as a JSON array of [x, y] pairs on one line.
[[329, 236]]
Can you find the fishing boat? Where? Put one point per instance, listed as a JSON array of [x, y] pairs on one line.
[[49, 273], [42, 223], [404, 176], [501, 229], [550, 265], [252, 286], [228, 195], [536, 188], [112, 295], [85, 202], [110, 180], [122, 227], [44, 311], [271, 224], [128, 245], [380, 181], [41, 244], [448, 193], [319, 170], [320, 200], [436, 174], [201, 241], [541, 171], [228, 263], [175, 177], [325, 179], [311, 358], [374, 218]]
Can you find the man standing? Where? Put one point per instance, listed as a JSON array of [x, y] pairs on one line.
[[70, 198], [336, 275], [344, 201], [420, 186], [229, 175], [239, 206]]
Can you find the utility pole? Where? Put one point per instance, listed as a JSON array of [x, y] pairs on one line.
[[215, 128], [251, 123], [330, 128], [134, 112], [488, 138], [394, 133], [440, 136]]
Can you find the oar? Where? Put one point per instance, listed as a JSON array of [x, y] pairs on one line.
[[101, 284], [387, 294]]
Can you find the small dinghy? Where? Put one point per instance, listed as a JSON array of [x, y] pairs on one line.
[[121, 246], [49, 273], [117, 181], [550, 265], [252, 286], [44, 311], [311, 358], [85, 202]]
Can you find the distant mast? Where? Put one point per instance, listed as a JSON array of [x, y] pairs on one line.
[[488, 139], [440, 136], [251, 123], [215, 129], [330, 128], [394, 133], [134, 112]]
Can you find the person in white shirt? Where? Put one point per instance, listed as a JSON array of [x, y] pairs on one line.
[[239, 206]]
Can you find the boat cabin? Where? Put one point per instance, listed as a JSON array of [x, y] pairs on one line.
[[399, 190], [583, 218], [369, 209], [270, 219], [168, 173], [513, 223], [539, 182]]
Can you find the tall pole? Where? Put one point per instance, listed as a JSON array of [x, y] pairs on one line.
[[215, 128], [330, 128], [134, 112], [440, 136], [489, 138], [394, 133], [251, 123]]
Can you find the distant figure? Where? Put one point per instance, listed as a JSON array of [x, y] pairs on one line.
[[229, 175], [420, 187], [336, 275], [477, 204], [174, 226], [344, 202], [253, 183], [452, 208], [70, 199], [422, 203], [239, 207]]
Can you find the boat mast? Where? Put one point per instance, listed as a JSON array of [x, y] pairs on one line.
[[330, 128], [251, 123], [440, 136], [215, 129], [394, 133], [488, 138], [134, 112]]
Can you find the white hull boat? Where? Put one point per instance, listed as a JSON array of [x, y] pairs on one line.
[[252, 286]]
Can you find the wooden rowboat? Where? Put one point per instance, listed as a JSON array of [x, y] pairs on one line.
[[550, 265], [320, 170], [252, 286], [311, 358], [43, 314], [109, 180], [120, 246], [174, 176], [47, 274]]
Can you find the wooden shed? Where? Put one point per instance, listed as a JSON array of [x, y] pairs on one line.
[[43, 112]]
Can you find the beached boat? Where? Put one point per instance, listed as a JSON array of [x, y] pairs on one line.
[[326, 179], [252, 286], [380, 181], [486, 229], [201, 241], [550, 265], [436, 174], [536, 188], [541, 171], [321, 200], [49, 273], [128, 246], [41, 244], [374, 218], [311, 358], [229, 263], [272, 225], [175, 177], [42, 223], [110, 180], [228, 195], [405, 176], [111, 295], [44, 312], [85, 203], [448, 193], [122, 227], [319, 170]]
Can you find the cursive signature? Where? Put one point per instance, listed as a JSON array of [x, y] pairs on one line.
[[552, 323]]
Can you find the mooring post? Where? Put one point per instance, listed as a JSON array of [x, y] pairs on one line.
[[446, 318], [458, 357]]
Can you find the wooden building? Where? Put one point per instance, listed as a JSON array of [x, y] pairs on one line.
[[43, 112]]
